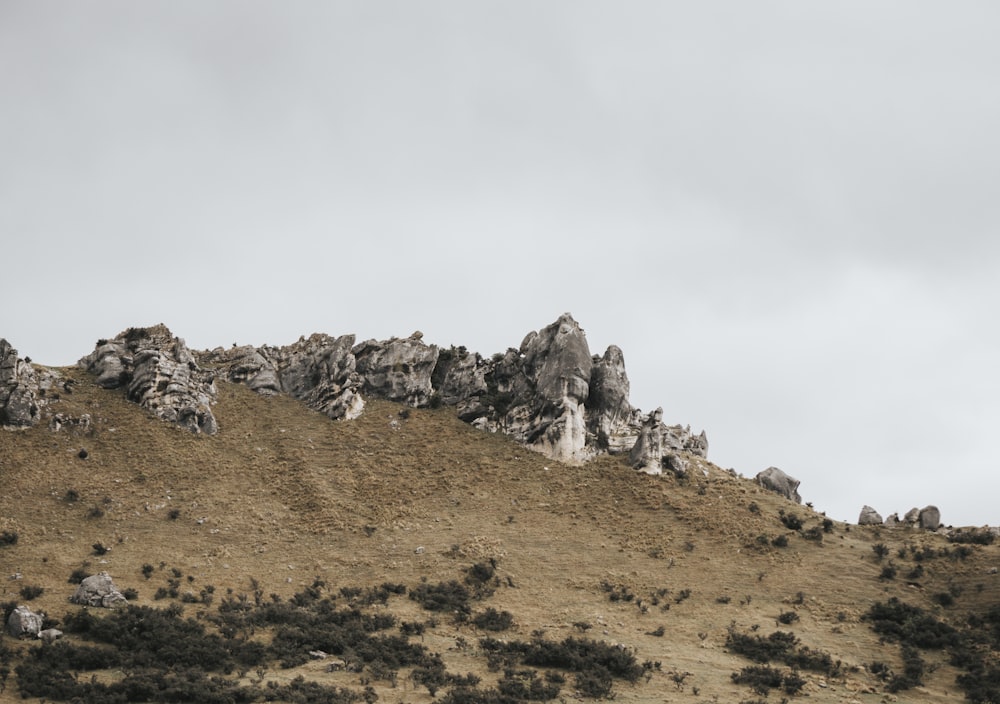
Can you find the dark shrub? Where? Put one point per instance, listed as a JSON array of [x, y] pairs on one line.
[[31, 591], [9, 537], [910, 625], [493, 620]]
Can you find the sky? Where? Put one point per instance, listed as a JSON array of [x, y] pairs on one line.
[[784, 213]]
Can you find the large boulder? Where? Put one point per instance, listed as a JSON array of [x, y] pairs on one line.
[[929, 518], [19, 407], [98, 590], [869, 517], [24, 623], [775, 480], [158, 372]]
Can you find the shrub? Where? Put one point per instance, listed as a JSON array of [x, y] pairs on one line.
[[9, 537], [79, 574], [780, 541], [888, 572], [791, 521], [788, 617], [30, 591], [910, 625], [880, 551], [974, 537], [444, 596], [493, 620]]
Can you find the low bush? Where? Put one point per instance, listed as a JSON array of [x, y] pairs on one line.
[[31, 591], [493, 620]]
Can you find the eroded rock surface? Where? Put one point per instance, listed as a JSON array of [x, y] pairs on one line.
[[24, 623], [158, 372], [98, 590], [19, 406], [869, 517]]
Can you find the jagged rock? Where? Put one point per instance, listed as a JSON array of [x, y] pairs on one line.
[[319, 370], [869, 517], [929, 518], [159, 373], [459, 380], [557, 362], [650, 452], [397, 370], [610, 416], [19, 407], [98, 590], [775, 480], [23, 622]]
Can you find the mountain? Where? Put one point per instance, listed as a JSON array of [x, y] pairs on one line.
[[430, 560]]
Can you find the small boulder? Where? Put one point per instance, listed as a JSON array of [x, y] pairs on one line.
[[98, 590], [869, 517], [773, 479], [23, 622], [50, 635]]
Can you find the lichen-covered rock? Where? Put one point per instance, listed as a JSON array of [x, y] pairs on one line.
[[869, 517], [19, 406], [776, 480], [24, 623], [397, 369], [159, 373], [98, 590]]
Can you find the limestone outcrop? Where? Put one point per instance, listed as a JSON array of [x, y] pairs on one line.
[[158, 372], [320, 371], [776, 480], [550, 393], [19, 406]]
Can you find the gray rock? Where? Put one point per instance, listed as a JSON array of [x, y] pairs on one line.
[[929, 518], [397, 370], [912, 516], [773, 479], [98, 590], [50, 635], [893, 521], [159, 373], [19, 406], [610, 416], [24, 623], [869, 517], [649, 449]]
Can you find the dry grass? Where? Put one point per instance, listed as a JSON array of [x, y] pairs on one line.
[[284, 496]]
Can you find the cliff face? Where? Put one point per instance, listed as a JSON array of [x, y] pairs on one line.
[[551, 393]]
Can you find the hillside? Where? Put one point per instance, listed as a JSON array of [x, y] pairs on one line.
[[282, 501]]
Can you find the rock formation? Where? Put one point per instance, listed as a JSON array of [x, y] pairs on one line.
[[869, 517], [19, 407], [775, 480], [159, 373], [98, 590], [23, 622], [550, 394]]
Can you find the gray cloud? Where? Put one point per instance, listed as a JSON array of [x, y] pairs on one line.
[[782, 212]]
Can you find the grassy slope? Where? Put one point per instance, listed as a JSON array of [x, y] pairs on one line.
[[284, 495]]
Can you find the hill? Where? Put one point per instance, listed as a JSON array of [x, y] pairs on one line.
[[406, 508]]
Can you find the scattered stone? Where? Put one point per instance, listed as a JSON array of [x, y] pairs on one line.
[[773, 479], [869, 517], [24, 623], [98, 590]]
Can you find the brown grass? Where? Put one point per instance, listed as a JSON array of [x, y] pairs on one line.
[[284, 496]]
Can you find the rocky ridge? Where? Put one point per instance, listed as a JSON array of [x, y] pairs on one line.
[[550, 393]]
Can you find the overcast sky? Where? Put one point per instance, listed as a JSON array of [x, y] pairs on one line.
[[785, 213]]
